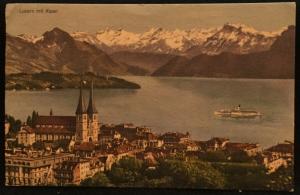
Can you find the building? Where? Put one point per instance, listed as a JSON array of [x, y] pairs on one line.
[[216, 143], [190, 146], [83, 127], [53, 128], [26, 136], [72, 171], [285, 149], [108, 160], [87, 120], [272, 161], [175, 137], [108, 133], [32, 168], [249, 148], [130, 131], [85, 150]]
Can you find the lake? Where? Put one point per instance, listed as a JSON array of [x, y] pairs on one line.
[[179, 104]]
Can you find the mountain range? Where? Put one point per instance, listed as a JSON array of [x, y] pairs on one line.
[[277, 62], [156, 52]]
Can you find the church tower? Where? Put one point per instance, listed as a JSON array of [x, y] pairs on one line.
[[81, 119], [93, 121]]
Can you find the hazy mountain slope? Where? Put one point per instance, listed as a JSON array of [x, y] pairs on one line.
[[23, 56], [147, 61], [278, 62], [58, 51]]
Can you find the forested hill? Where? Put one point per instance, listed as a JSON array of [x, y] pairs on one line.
[[50, 81]]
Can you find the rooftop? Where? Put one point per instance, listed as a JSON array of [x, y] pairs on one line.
[[86, 146], [56, 120], [52, 130], [282, 148], [243, 146]]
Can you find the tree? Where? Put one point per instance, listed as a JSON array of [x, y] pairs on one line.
[[29, 121], [282, 179], [245, 176], [99, 179], [15, 125], [192, 174], [126, 171], [214, 156], [240, 156], [34, 117]]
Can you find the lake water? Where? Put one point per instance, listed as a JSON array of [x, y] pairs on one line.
[[179, 104]]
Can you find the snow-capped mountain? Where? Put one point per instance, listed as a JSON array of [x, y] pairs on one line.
[[238, 38], [215, 52], [155, 40], [277, 62], [57, 51], [235, 38]]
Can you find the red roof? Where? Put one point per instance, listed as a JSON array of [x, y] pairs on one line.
[[241, 146], [175, 134], [86, 146], [282, 148], [53, 130], [56, 120]]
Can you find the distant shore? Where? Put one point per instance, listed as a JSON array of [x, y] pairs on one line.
[[55, 81]]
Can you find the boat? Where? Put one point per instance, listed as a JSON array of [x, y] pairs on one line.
[[238, 113]]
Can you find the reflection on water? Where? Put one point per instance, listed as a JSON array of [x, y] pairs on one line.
[[180, 104]]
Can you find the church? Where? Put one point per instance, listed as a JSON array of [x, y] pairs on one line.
[[83, 127]]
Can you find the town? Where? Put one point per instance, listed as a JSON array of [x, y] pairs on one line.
[[71, 150]]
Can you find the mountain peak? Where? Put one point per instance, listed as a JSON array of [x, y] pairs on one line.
[[57, 30], [57, 35]]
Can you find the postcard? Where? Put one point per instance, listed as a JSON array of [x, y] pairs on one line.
[[189, 96]]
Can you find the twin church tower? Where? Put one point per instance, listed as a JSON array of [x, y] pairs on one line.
[[87, 121]]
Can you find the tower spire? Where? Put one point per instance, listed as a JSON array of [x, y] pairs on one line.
[[81, 108], [91, 107]]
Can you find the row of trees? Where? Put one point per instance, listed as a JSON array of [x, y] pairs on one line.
[[15, 124], [177, 173], [31, 120]]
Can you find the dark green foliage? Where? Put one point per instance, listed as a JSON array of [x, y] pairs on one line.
[[178, 173], [29, 121], [38, 145], [240, 156], [127, 170], [15, 125], [214, 156], [99, 179], [246, 176], [13, 144], [34, 117], [191, 174], [282, 179]]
